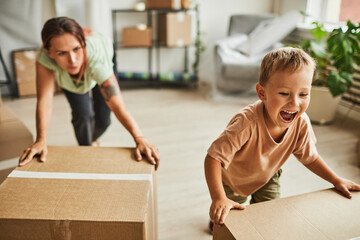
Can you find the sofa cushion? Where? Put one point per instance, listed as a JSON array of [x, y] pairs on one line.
[[267, 33]]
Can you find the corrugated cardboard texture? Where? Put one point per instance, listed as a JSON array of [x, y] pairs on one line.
[[170, 4], [24, 62], [14, 138], [134, 37], [175, 29], [80, 208], [319, 215]]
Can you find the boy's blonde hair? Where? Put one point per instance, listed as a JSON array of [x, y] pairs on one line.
[[284, 59]]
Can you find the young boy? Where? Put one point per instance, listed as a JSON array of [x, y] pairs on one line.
[[246, 158]]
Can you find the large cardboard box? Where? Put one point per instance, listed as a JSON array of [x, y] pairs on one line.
[[25, 71], [175, 29], [14, 138], [135, 37], [319, 215], [170, 4], [91, 193]]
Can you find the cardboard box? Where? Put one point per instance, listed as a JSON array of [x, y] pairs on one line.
[[25, 71], [175, 29], [169, 4], [323, 214], [135, 37], [80, 192], [14, 138]]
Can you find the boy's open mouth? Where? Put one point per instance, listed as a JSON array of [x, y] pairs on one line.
[[288, 116]]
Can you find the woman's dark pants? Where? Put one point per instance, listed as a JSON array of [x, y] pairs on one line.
[[90, 115]]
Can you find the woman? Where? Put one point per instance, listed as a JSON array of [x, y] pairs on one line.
[[80, 61]]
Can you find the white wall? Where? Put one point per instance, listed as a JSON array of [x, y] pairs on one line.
[[22, 31], [214, 17]]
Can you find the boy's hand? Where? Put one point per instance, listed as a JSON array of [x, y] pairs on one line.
[[219, 209], [345, 186]]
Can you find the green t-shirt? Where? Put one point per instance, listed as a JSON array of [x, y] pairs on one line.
[[98, 68]]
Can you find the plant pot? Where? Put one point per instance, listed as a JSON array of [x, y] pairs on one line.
[[322, 107]]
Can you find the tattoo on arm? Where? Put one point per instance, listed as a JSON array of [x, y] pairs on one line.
[[110, 88]]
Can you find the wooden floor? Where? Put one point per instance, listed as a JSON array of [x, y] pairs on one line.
[[183, 123]]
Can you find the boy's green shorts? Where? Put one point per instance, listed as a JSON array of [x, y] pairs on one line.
[[271, 190]]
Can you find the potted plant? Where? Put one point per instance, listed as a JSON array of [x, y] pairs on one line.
[[337, 55]]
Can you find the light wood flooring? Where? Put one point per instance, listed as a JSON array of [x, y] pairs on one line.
[[183, 123]]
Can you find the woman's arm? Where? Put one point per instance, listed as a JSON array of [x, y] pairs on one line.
[[45, 86], [111, 91]]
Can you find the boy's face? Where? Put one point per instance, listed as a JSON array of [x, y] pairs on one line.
[[286, 96]]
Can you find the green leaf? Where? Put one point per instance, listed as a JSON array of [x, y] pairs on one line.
[[347, 78], [336, 84], [318, 31], [319, 49]]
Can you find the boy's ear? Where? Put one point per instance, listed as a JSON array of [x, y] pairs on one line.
[[260, 91]]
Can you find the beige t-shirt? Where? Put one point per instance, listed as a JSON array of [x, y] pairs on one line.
[[250, 156]]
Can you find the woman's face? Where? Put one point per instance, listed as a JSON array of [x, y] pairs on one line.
[[67, 52]]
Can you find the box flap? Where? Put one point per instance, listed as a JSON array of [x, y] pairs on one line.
[[85, 159]]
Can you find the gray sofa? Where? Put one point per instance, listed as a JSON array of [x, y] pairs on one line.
[[250, 37]]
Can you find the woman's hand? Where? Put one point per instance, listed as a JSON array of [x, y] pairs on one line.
[[345, 186], [38, 148], [150, 151], [219, 209]]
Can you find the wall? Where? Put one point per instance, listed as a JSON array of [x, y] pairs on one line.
[[214, 17], [19, 21]]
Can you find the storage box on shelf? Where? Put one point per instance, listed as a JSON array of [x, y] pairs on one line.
[[167, 4], [80, 193], [175, 29], [135, 37], [172, 29]]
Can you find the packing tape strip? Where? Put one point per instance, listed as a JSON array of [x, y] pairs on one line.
[[92, 176]]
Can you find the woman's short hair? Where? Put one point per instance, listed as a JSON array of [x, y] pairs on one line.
[[59, 26]]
